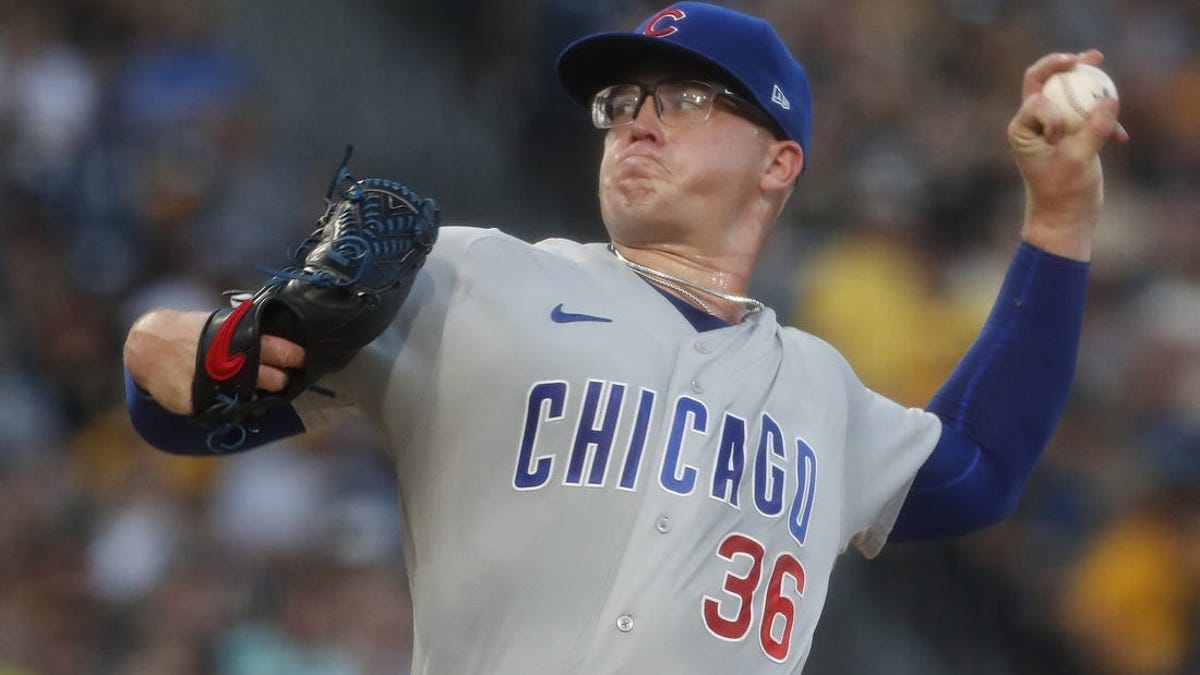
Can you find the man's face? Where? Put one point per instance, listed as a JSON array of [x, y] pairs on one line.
[[665, 184]]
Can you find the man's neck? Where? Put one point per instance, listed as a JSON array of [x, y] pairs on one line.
[[722, 277]]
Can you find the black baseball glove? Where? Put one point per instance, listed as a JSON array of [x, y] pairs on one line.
[[343, 287]]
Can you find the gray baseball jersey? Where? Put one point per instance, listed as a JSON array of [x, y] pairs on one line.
[[589, 485]]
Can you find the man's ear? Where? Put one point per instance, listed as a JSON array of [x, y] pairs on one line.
[[786, 160]]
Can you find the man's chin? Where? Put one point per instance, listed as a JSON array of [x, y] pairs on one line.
[[642, 227], [636, 197], [631, 218]]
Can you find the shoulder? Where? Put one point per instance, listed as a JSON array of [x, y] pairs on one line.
[[455, 240], [459, 245], [809, 344], [819, 359], [459, 238]]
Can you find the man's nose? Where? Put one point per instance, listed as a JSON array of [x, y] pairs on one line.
[[645, 117]]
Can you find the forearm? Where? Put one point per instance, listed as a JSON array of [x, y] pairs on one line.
[[1002, 402], [1011, 386]]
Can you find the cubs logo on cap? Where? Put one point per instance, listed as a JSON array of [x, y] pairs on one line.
[[745, 50], [662, 24]]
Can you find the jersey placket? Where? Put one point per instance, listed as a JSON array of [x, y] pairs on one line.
[[707, 369]]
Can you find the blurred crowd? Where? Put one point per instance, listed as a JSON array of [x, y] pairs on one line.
[[156, 151]]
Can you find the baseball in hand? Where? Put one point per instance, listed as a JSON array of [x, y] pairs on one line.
[[1077, 91]]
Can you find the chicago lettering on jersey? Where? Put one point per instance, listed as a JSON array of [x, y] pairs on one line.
[[705, 452]]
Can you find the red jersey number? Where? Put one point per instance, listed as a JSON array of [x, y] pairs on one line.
[[731, 617]]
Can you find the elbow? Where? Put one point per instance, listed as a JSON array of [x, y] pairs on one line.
[[999, 509], [997, 503], [981, 500], [1007, 499], [1011, 497]]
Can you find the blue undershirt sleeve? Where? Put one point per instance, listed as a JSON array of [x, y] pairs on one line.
[[1002, 402], [178, 434]]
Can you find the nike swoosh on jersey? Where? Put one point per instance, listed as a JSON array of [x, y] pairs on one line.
[[219, 363], [559, 316]]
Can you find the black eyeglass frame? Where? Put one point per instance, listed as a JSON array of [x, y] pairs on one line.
[[741, 105]]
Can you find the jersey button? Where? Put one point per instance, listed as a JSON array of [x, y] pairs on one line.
[[663, 524], [696, 387], [625, 623], [703, 347]]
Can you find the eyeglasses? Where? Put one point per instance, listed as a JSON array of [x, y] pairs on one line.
[[679, 103]]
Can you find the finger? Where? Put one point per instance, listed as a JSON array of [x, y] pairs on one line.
[[281, 353], [271, 379], [1101, 124], [1110, 108], [1039, 116], [1041, 70], [1037, 74], [1092, 57], [1121, 135]]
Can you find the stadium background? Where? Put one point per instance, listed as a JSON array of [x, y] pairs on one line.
[[155, 151]]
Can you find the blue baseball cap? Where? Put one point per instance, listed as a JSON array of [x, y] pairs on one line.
[[743, 48]]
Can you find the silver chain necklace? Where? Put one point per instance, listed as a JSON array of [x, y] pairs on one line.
[[685, 287]]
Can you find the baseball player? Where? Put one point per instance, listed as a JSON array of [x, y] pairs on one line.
[[610, 459]]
